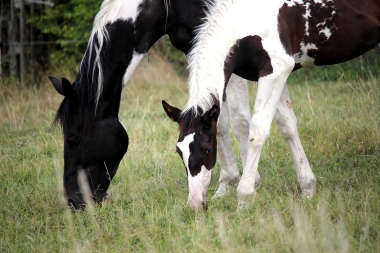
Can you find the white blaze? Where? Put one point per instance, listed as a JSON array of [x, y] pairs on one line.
[[199, 183], [184, 146]]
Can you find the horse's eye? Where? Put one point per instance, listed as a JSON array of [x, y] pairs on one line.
[[73, 141]]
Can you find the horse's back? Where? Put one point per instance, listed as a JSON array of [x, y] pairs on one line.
[[329, 32]]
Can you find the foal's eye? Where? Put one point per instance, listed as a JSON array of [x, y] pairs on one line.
[[207, 152]]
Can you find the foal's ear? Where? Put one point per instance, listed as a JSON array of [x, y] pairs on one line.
[[171, 111], [64, 88], [211, 116]]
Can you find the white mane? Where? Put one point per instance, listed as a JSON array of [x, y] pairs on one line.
[[106, 14], [214, 40]]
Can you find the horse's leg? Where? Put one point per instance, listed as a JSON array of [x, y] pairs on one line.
[[238, 105], [239, 114], [268, 95], [229, 172], [287, 121]]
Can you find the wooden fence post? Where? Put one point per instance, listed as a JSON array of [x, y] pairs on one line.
[[22, 40], [12, 41]]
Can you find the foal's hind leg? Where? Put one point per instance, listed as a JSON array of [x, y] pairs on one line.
[[287, 122], [236, 107], [229, 172]]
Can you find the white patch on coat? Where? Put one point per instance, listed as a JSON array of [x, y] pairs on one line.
[[321, 26], [307, 16], [136, 58], [326, 31], [197, 187], [302, 57], [110, 11]]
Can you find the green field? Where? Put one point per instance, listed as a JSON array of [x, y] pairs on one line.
[[339, 125]]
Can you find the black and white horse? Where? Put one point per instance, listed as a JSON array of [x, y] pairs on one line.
[[94, 138], [264, 41]]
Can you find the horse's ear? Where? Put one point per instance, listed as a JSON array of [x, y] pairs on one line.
[[171, 111], [211, 116], [64, 88], [68, 89], [57, 84]]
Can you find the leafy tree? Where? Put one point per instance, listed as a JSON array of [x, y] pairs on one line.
[[69, 23]]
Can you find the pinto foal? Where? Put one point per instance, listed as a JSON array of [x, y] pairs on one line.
[[264, 41]]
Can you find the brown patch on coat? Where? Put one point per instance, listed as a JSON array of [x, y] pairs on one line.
[[248, 59]]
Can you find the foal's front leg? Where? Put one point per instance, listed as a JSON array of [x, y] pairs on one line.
[[287, 121], [269, 91], [236, 107]]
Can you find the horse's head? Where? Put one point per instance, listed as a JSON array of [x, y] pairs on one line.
[[197, 147], [95, 145]]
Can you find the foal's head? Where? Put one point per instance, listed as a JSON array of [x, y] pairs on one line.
[[197, 147]]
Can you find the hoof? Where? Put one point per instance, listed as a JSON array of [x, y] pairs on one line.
[[205, 206], [308, 188], [245, 197], [224, 188], [257, 184], [257, 180], [308, 194], [241, 207], [245, 203]]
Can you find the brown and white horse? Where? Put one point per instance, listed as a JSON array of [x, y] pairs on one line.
[[264, 41]]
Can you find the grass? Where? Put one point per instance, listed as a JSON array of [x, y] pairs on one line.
[[339, 128]]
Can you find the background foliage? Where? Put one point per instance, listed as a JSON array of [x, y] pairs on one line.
[[71, 20], [68, 20]]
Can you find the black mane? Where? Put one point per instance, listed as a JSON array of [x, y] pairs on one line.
[[189, 122], [86, 88]]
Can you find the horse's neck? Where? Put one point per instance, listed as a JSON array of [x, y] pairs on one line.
[[184, 18]]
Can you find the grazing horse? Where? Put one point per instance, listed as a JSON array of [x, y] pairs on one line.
[[264, 41], [94, 138]]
